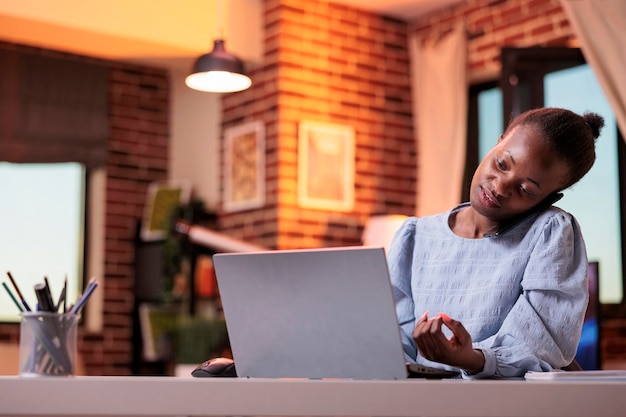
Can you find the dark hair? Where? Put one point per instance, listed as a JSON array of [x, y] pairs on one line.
[[572, 136]]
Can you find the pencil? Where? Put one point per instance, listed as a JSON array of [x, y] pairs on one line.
[[65, 294], [62, 297], [19, 293], [6, 287], [84, 297]]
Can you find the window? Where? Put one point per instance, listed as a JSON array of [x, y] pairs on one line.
[[42, 218], [577, 89], [558, 77]]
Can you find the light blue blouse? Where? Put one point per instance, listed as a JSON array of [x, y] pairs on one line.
[[521, 294]]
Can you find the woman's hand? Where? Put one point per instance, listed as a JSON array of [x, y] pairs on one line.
[[435, 346]]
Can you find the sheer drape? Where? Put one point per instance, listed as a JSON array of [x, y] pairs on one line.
[[600, 26], [439, 90]]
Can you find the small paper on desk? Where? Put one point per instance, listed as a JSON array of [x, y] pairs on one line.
[[605, 374]]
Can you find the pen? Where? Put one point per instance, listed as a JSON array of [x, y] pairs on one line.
[[19, 293], [44, 298], [62, 297], [45, 280], [6, 287]]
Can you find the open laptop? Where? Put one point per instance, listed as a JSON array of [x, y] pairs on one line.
[[313, 313]]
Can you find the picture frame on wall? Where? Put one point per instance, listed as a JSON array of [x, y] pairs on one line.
[[244, 167], [161, 199], [325, 166]]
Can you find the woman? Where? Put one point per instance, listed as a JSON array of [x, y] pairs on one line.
[[498, 286]]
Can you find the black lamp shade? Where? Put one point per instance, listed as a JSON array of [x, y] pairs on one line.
[[218, 72]]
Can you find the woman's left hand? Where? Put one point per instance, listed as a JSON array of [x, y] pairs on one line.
[[435, 346]]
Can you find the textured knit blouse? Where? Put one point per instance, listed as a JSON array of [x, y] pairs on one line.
[[521, 294]]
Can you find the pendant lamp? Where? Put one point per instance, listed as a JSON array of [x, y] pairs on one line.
[[218, 72]]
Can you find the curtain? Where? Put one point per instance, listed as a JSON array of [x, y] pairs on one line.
[[599, 24], [52, 108], [439, 93]]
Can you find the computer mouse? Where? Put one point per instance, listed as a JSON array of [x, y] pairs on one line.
[[215, 367]]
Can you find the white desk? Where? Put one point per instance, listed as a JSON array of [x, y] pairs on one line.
[[171, 396]]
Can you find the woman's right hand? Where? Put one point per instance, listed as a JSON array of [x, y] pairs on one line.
[[456, 351]]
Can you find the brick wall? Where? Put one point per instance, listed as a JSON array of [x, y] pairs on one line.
[[328, 63], [331, 63], [138, 154], [322, 62], [493, 24]]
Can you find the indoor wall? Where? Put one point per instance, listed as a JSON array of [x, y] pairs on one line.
[[321, 62]]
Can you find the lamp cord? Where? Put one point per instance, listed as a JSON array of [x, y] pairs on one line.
[[220, 18]]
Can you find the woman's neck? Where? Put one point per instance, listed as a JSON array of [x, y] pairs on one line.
[[469, 224]]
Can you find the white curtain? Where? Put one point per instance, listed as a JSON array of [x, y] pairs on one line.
[[601, 27], [439, 92]]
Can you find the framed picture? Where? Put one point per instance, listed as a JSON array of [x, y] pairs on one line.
[[325, 166], [244, 167], [158, 328], [162, 198]]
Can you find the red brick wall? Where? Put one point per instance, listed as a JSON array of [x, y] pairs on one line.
[[493, 24], [322, 62], [328, 63], [138, 155], [331, 63]]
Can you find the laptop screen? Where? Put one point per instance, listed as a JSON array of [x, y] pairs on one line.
[[312, 313]]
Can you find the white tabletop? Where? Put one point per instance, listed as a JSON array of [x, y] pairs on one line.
[[171, 396]]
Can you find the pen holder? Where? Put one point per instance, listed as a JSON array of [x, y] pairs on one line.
[[48, 344]]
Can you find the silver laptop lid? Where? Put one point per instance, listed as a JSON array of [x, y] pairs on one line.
[[314, 313]]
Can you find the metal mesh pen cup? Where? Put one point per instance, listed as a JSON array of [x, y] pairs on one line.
[[48, 344]]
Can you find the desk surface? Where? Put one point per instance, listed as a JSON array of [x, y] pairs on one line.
[[171, 396]]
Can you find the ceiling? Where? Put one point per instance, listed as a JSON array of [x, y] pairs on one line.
[[402, 9], [160, 32]]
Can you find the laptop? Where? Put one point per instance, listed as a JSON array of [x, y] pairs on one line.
[[311, 313]]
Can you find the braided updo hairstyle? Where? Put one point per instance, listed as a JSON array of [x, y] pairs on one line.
[[572, 136]]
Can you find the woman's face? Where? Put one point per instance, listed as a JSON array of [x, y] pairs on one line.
[[516, 175]]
